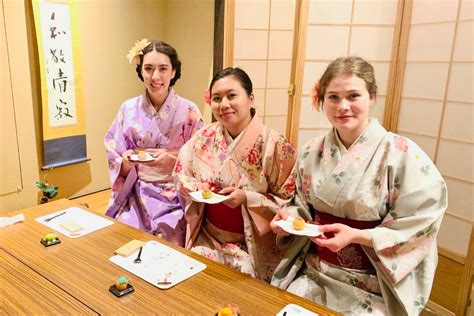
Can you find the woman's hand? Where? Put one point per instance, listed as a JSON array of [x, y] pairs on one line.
[[203, 186], [126, 163], [155, 152], [343, 236], [236, 198], [282, 214], [164, 161]]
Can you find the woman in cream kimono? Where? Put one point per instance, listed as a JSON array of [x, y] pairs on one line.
[[240, 157], [379, 199], [158, 122]]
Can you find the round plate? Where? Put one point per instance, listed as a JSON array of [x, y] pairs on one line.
[[148, 157]]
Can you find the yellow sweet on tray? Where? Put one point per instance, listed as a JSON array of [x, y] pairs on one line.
[[298, 223], [206, 194], [141, 155]]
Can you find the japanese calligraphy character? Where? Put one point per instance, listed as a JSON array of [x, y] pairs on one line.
[[61, 81]]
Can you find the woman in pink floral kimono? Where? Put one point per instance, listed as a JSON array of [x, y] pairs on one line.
[[157, 123], [378, 198], [240, 157]]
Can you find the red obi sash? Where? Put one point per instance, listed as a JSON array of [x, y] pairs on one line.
[[352, 256], [225, 218]]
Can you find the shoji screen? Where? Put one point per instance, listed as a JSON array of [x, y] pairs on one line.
[[263, 44], [341, 28], [437, 106]]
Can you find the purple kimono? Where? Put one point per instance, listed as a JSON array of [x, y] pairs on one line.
[[146, 198]]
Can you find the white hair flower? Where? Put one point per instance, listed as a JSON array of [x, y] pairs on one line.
[[133, 55]]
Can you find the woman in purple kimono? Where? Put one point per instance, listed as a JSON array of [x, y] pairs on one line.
[[152, 127]]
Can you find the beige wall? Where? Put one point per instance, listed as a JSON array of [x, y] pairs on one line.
[[17, 105], [108, 29], [189, 28]]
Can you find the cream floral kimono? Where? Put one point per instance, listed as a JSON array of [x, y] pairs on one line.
[[382, 176], [258, 161]]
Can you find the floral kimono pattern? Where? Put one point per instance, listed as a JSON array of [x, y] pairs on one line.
[[258, 161], [148, 200], [382, 176]]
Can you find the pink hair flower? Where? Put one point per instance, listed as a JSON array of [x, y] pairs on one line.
[[315, 90], [207, 96]]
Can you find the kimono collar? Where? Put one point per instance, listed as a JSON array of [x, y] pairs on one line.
[[340, 165], [373, 131], [255, 121], [246, 139], [148, 105], [341, 145]]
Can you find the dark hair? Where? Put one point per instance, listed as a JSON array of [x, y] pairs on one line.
[[351, 65], [238, 73], [166, 49]]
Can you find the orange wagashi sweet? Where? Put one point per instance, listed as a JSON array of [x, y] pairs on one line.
[[228, 310], [298, 223], [121, 283]]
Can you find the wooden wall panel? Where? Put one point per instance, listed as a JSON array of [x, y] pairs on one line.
[[9, 155]]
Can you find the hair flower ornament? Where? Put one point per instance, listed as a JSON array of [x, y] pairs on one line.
[[133, 55], [207, 96], [315, 90]]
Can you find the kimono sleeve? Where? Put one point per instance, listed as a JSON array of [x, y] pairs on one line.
[[404, 246], [298, 206], [116, 144], [183, 170], [296, 246], [263, 206], [193, 123]]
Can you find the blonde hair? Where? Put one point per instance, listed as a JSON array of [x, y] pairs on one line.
[[351, 65]]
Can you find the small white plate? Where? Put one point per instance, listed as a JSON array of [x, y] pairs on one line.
[[295, 310], [148, 157], [216, 198], [309, 230]]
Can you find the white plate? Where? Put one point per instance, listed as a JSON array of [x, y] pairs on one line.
[[294, 310], [216, 198], [148, 157], [309, 230]]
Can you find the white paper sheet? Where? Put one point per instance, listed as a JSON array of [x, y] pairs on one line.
[[160, 263], [7, 221], [309, 230], [89, 221], [216, 198]]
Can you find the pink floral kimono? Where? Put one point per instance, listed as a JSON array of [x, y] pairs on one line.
[[258, 161], [147, 199], [386, 183]]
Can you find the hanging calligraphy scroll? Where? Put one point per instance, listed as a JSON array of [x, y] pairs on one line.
[[64, 140]]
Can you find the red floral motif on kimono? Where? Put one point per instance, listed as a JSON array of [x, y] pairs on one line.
[[306, 185], [178, 166], [252, 163], [290, 185], [253, 157]]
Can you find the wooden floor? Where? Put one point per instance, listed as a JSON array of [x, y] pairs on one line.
[[96, 202], [445, 287]]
